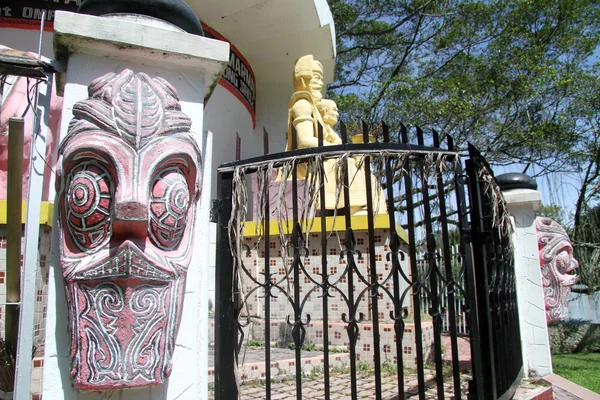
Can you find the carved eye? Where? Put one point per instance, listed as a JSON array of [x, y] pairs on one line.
[[169, 204], [88, 201]]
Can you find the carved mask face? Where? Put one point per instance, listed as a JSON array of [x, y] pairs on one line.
[[558, 266], [130, 181]]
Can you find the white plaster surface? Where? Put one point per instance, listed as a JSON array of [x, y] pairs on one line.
[[288, 29], [26, 40], [190, 360], [141, 43], [535, 343], [526, 197], [226, 115]]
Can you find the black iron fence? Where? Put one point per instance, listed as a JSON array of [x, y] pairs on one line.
[[499, 366], [347, 282], [461, 318]]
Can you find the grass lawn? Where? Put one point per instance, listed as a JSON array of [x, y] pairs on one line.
[[581, 368]]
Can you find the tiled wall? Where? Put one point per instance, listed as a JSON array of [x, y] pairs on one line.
[[279, 268], [337, 303], [338, 339]]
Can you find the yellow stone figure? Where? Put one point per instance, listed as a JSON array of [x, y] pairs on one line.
[[308, 109], [303, 112], [356, 177], [329, 112]]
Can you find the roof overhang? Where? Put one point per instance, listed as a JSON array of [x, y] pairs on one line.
[[273, 34]]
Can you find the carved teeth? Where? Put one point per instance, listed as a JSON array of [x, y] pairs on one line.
[[127, 263]]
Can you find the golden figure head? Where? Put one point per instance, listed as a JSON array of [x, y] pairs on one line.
[[308, 76], [329, 111]]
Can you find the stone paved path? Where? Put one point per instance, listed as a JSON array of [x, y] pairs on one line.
[[340, 382], [340, 388]]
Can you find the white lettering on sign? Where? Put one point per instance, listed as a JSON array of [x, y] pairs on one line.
[[36, 13], [238, 75]]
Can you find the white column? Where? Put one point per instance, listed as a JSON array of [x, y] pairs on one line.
[[522, 205], [92, 47], [32, 234]]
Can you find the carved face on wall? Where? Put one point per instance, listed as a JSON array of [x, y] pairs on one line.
[[558, 266], [129, 183]]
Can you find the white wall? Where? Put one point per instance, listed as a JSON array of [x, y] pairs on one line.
[[225, 115], [584, 307], [27, 40]]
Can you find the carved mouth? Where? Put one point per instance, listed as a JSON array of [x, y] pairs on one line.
[[127, 262]]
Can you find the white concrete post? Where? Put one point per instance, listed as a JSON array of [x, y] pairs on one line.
[[39, 137], [94, 46], [522, 205]]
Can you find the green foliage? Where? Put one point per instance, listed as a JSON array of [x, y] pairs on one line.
[[305, 346], [509, 76], [583, 369], [586, 244], [517, 78], [574, 338], [553, 211], [255, 343]]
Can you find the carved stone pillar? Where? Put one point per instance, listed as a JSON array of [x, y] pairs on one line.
[[128, 300]]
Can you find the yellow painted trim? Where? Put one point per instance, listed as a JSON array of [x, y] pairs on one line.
[[359, 223], [46, 212]]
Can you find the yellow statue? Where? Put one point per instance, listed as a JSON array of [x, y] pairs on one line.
[[307, 109]]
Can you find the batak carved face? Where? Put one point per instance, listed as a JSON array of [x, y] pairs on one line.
[[129, 183], [558, 266]]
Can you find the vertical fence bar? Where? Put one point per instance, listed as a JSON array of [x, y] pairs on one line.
[[225, 323], [13, 231], [476, 388], [297, 243], [416, 286], [433, 274], [497, 301], [350, 242], [374, 286], [324, 270], [397, 314], [268, 284], [450, 302], [480, 238]]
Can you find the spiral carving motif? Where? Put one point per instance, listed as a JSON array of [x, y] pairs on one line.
[[130, 183], [558, 266], [168, 207], [89, 198]]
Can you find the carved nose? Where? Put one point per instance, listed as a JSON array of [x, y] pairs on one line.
[[131, 219]]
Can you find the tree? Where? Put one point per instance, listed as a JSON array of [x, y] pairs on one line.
[[586, 244], [553, 211], [517, 78]]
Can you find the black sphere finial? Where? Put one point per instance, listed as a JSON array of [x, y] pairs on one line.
[[516, 180], [176, 12]]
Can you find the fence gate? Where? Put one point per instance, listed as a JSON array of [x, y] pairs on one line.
[[336, 276]]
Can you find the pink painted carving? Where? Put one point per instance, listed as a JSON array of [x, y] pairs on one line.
[[129, 184], [558, 267]]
